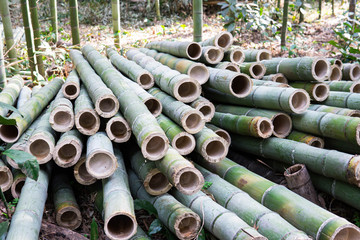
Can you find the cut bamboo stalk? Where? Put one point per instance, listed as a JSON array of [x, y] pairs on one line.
[[180, 220], [260, 127], [74, 22], [236, 84], [68, 149], [222, 40], [106, 104], [306, 138], [149, 135], [267, 222], [81, 174], [6, 177], [255, 55], [234, 55], [87, 121], [198, 20], [118, 213], [61, 116], [100, 159], [180, 140], [282, 123], [190, 50], [257, 82], [26, 221], [24, 96], [285, 99], [335, 73], [210, 145], [277, 77], [131, 69], [343, 100], [328, 125], [67, 212], [189, 118], [336, 62], [35, 89], [338, 165], [351, 71], [211, 55], [317, 91], [30, 111], [335, 110], [299, 69], [10, 92], [2, 64], [115, 10], [216, 217], [118, 129], [314, 220], [54, 21], [221, 132], [18, 183], [254, 69], [228, 66], [206, 107], [71, 87], [140, 235], [344, 86]]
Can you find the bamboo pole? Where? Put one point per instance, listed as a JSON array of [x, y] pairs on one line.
[[306, 138], [211, 55], [221, 132], [61, 116], [54, 21], [257, 55], [234, 55], [24, 96], [2, 64], [284, 23], [277, 77], [81, 174], [67, 212], [351, 71], [206, 107], [157, 7], [35, 89], [10, 92], [343, 100], [68, 149], [118, 129], [180, 220], [257, 82], [6, 177], [74, 22], [71, 87], [254, 69], [150, 137], [317, 91], [197, 20], [115, 10], [30, 111], [223, 40], [228, 66], [335, 73], [335, 110], [344, 86], [190, 50], [314, 220], [140, 235], [337, 62], [18, 183]]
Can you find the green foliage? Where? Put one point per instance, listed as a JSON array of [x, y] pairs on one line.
[[155, 227], [27, 162], [7, 121], [207, 185], [94, 233], [4, 229], [356, 219], [147, 206], [3, 199]]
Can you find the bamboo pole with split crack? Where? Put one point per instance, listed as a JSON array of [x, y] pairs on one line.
[[24, 96], [71, 87], [206, 107], [10, 92], [115, 10], [61, 114], [81, 174], [54, 20], [190, 50], [197, 20], [335, 110], [118, 129], [68, 149], [74, 22], [310, 140], [6, 177], [19, 180]]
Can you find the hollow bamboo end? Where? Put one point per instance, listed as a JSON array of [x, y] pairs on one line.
[[282, 124], [320, 69], [187, 225], [67, 153], [320, 92], [9, 160], [101, 164], [81, 174], [188, 180], [263, 55], [224, 40], [17, 186], [294, 170], [338, 63], [193, 121], [213, 55], [264, 127], [207, 109], [348, 232], [62, 119], [107, 106], [154, 146], [241, 85], [214, 149], [299, 101], [156, 183], [280, 78], [6, 178], [355, 72], [224, 134], [355, 87], [187, 90], [9, 133], [199, 72], [71, 90], [118, 130], [154, 106], [354, 113], [41, 147], [237, 56], [87, 122], [193, 51], [232, 67], [146, 80], [184, 143], [120, 226], [257, 70], [68, 217], [335, 73]]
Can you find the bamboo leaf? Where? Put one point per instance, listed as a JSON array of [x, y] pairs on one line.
[[155, 227], [94, 234], [147, 206], [7, 121], [27, 162], [4, 229]]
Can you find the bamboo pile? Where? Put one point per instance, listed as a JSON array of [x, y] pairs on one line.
[[181, 106]]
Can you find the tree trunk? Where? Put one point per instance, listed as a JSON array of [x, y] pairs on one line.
[[284, 24], [301, 14], [320, 8], [157, 6], [352, 8], [333, 7], [54, 22], [198, 19], [2, 64], [115, 6], [74, 22]]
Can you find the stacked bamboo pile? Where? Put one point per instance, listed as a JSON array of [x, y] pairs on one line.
[[178, 98]]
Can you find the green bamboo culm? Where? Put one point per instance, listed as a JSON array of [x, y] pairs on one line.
[[344, 86], [9, 38], [197, 19], [6, 177], [343, 100], [342, 146], [257, 82], [157, 7], [190, 50], [306, 138], [26, 221], [140, 235], [335, 110], [19, 179], [314, 220], [74, 22], [10, 92], [54, 21], [115, 9], [284, 23], [2, 64], [37, 36]]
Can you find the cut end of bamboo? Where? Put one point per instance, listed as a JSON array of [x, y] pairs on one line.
[[264, 55], [224, 40], [187, 90], [6, 178], [70, 90], [214, 149], [187, 225], [280, 78], [299, 101], [241, 85], [320, 92], [101, 164], [17, 186], [155, 146], [67, 153], [355, 87], [184, 143], [282, 125], [62, 119], [193, 51], [41, 147], [87, 122], [335, 73], [257, 70], [355, 72], [107, 106], [207, 108], [188, 180], [232, 67], [146, 80], [213, 55], [9, 133], [338, 63], [193, 121], [120, 226], [354, 113], [81, 174], [118, 130], [69, 217], [154, 106], [237, 56], [199, 72], [348, 232], [317, 142], [264, 127], [156, 183], [320, 69], [224, 134]]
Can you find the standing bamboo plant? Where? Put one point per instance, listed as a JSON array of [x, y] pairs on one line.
[[284, 23], [54, 22], [197, 19], [74, 22], [2, 64], [115, 7]]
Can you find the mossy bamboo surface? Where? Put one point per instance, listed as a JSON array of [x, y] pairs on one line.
[[61, 114], [219, 131], [343, 100], [256, 55], [140, 235], [254, 69], [206, 107], [118, 203], [179, 112], [317, 91], [19, 179], [335, 110], [74, 22], [26, 221], [306, 138], [278, 77], [228, 66], [175, 48], [330, 163], [37, 36], [349, 73], [10, 92], [180, 220], [328, 125], [342, 146], [95, 86], [266, 98], [314, 220], [258, 82], [130, 69], [9, 37], [267, 222], [115, 10], [6, 177], [71, 87], [149, 135], [53, 16], [30, 111], [344, 86], [175, 133], [2, 64], [67, 211], [222, 40], [81, 174], [219, 221], [68, 149], [234, 55], [197, 20], [211, 55], [24, 96], [118, 129]]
